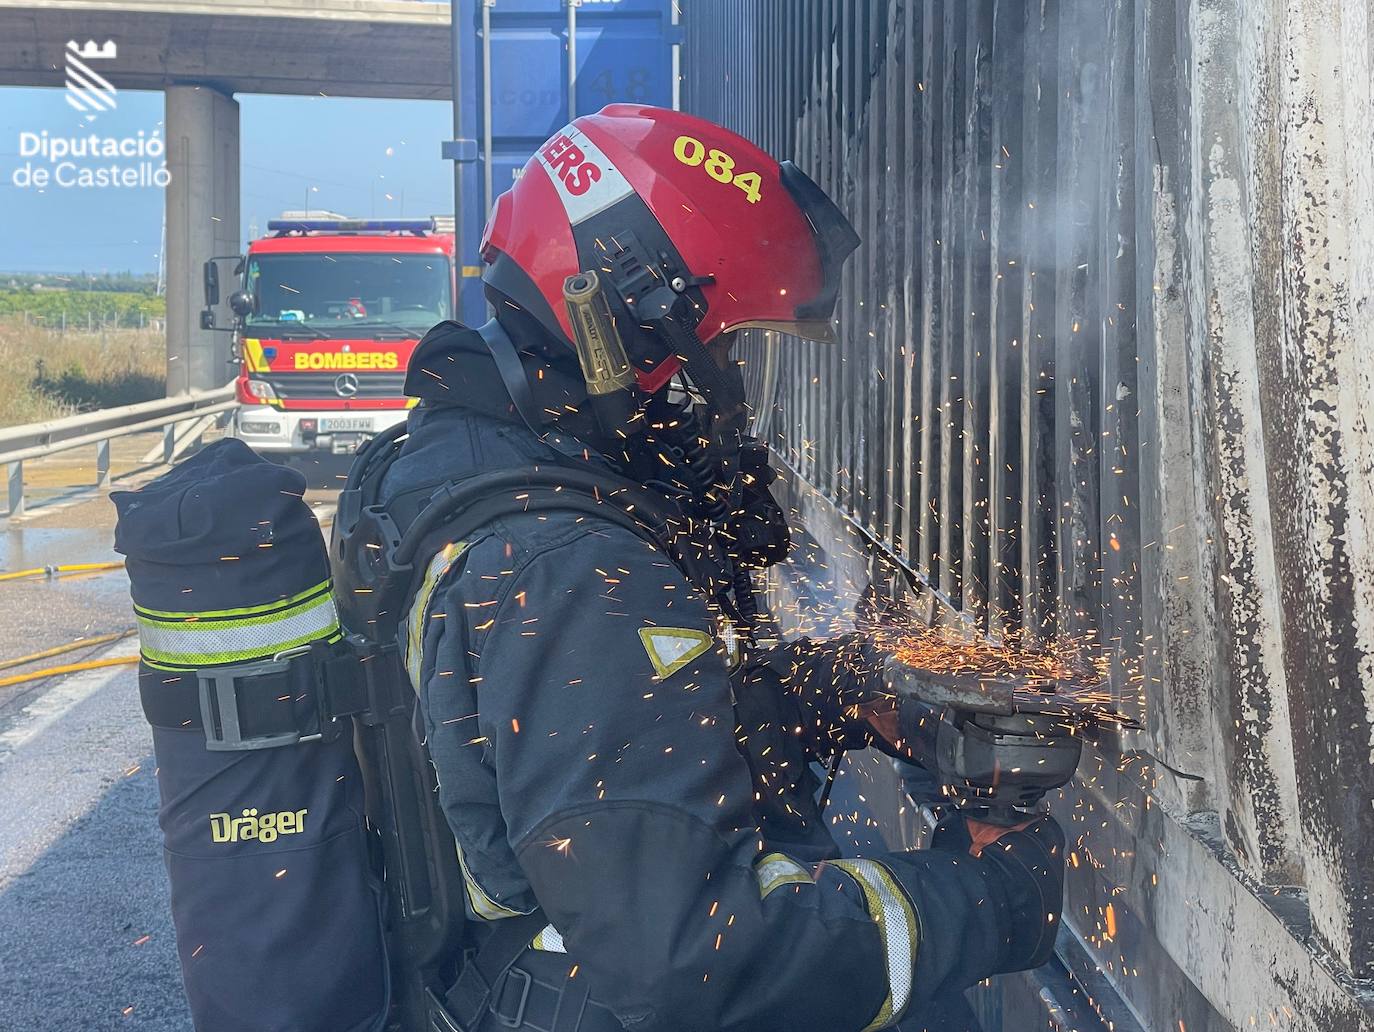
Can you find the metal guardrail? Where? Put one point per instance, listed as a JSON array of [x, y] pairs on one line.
[[173, 415]]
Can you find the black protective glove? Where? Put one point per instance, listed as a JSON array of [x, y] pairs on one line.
[[835, 686], [769, 733], [1026, 875]]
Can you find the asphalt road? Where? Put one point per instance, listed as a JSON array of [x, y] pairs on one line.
[[85, 936]]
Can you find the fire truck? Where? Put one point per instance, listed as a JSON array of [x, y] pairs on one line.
[[327, 312]]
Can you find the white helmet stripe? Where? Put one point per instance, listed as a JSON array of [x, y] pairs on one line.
[[586, 180]]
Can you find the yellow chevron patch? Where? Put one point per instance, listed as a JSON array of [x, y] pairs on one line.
[[672, 648]]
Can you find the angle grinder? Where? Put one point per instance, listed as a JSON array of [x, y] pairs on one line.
[[996, 744]]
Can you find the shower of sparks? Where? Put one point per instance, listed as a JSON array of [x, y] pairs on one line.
[[946, 650]]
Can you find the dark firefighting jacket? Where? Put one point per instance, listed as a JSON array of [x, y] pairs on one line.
[[596, 759]]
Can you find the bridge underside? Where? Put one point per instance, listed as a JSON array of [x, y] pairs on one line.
[[355, 48], [202, 53]]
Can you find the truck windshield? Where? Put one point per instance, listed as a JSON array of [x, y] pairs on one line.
[[347, 295]]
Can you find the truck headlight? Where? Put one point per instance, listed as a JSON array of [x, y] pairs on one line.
[[251, 391]]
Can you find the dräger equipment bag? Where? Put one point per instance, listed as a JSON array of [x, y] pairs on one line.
[[246, 684]]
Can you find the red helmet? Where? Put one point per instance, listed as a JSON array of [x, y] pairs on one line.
[[653, 198]]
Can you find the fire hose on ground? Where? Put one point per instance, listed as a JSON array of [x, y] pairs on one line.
[[54, 571], [66, 668]]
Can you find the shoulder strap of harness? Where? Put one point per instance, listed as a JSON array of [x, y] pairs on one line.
[[375, 546]]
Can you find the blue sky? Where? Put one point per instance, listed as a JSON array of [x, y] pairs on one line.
[[347, 155]]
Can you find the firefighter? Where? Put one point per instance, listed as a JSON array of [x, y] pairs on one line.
[[628, 780]]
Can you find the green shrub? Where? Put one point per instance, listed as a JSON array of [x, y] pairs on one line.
[[82, 308]]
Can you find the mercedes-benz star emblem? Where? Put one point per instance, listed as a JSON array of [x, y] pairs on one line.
[[346, 385]]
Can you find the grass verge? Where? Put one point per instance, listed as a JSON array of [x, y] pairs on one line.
[[46, 375]]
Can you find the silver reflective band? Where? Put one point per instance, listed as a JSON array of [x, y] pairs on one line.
[[896, 920], [219, 638], [549, 941], [775, 870]]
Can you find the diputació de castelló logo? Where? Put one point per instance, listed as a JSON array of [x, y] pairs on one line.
[[87, 90], [90, 160]]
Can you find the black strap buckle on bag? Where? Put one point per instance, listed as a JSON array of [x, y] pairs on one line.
[[297, 696]]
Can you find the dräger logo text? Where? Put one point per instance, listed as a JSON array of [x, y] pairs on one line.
[[348, 360], [255, 827]]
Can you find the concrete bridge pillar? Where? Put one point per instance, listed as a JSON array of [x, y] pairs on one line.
[[202, 221]]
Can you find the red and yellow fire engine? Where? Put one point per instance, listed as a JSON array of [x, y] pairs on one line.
[[328, 313]]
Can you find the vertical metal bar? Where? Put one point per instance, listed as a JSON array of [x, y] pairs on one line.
[[1006, 262], [102, 463], [487, 5], [807, 391], [827, 408], [862, 364], [977, 302], [16, 488], [890, 171], [456, 42], [1118, 397], [951, 304], [933, 161], [169, 442], [1038, 503], [572, 57], [841, 369], [910, 214], [676, 18], [1077, 329]]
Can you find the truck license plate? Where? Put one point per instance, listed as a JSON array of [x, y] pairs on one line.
[[358, 424]]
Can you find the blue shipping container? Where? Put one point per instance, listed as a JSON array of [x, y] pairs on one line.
[[515, 72]]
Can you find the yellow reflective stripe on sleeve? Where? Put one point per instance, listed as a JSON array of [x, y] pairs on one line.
[[895, 917], [549, 941], [412, 646], [221, 637], [774, 870], [482, 905]]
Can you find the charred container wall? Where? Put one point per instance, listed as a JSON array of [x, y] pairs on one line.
[[1107, 370]]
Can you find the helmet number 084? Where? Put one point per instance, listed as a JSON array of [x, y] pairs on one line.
[[719, 166]]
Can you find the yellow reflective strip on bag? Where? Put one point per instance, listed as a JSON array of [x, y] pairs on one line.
[[774, 870], [412, 645], [482, 905], [895, 917], [195, 643], [265, 609]]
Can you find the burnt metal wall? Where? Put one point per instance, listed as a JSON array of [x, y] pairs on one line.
[[1107, 370]]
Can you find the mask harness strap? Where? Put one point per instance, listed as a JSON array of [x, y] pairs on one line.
[[512, 370], [725, 403]]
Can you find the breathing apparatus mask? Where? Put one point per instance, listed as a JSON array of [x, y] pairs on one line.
[[689, 438]]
